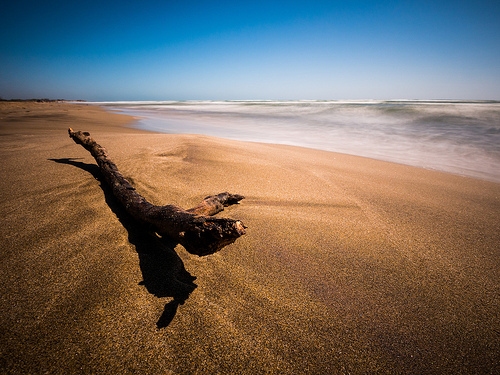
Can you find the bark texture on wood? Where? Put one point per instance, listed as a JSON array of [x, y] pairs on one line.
[[195, 228]]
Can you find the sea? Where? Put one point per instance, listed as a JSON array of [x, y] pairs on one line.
[[460, 137]]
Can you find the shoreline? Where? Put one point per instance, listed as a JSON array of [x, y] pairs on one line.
[[412, 142], [349, 264]]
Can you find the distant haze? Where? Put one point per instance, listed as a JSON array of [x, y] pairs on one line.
[[219, 50]]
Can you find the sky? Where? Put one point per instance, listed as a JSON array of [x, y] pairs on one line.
[[250, 50]]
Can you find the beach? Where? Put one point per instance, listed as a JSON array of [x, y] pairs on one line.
[[349, 264]]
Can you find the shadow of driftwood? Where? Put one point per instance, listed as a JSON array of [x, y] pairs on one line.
[[162, 270]]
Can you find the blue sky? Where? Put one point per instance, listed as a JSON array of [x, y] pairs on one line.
[[214, 50]]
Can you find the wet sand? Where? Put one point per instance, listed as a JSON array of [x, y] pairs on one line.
[[349, 265]]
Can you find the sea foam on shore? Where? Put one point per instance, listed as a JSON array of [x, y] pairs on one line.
[[461, 137]]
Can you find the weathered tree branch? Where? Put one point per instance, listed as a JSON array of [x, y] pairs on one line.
[[194, 228]]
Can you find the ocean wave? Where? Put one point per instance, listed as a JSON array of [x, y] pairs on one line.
[[455, 136]]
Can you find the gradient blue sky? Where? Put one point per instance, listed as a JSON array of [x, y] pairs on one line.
[[182, 50]]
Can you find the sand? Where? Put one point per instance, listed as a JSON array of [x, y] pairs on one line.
[[349, 265]]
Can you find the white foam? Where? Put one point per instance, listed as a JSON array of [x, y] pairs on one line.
[[453, 136]]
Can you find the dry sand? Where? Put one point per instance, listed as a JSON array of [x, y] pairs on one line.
[[349, 265]]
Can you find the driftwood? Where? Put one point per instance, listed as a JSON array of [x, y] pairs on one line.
[[195, 228]]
